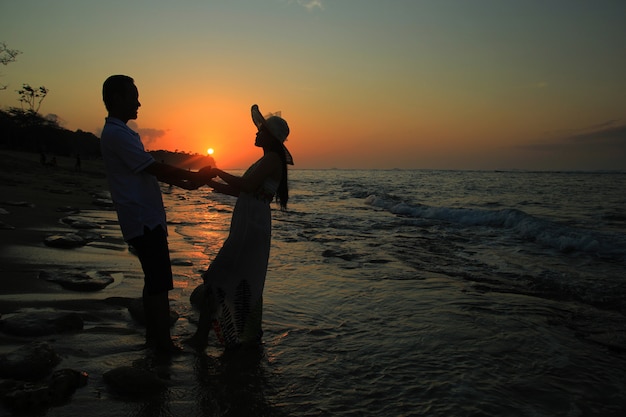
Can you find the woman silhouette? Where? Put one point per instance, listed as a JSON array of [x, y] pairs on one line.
[[234, 282]]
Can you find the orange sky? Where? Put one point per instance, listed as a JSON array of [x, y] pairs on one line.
[[363, 84]]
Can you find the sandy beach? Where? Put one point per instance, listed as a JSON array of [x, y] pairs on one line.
[[371, 307], [51, 296], [34, 199], [71, 325]]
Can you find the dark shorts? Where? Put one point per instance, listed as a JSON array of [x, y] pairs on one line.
[[154, 254]]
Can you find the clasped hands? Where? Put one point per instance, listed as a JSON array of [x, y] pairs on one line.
[[200, 178]]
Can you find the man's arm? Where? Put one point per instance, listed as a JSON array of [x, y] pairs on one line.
[[170, 174]]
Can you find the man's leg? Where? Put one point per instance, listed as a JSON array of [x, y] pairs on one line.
[[153, 252], [157, 312]]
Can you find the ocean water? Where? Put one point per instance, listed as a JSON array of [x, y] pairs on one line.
[[439, 293], [415, 293]]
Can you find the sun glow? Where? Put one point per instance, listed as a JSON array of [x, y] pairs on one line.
[[210, 151]]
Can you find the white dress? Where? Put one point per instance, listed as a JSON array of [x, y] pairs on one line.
[[235, 279]]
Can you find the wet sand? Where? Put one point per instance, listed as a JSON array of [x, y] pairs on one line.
[[38, 201], [33, 200]]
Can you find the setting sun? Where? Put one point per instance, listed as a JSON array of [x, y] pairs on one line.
[[210, 151]]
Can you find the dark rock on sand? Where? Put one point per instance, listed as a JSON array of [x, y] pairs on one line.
[[134, 382], [29, 362], [72, 240], [33, 323], [88, 235], [64, 382], [23, 397], [79, 223], [100, 194], [181, 262], [5, 226], [79, 281], [102, 202], [19, 204], [68, 209], [67, 241]]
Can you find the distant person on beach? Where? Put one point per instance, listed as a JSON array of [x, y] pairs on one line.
[[133, 177], [77, 164], [233, 283]]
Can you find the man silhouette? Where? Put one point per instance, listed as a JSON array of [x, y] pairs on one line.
[[133, 176]]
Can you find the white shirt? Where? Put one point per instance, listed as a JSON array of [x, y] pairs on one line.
[[136, 194]]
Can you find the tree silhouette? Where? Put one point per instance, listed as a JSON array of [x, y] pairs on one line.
[[7, 55], [32, 97]]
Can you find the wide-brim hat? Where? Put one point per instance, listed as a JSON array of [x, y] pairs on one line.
[[276, 125]]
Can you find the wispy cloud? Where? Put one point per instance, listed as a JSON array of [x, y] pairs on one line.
[[609, 132], [148, 135], [609, 136], [598, 147], [311, 4]]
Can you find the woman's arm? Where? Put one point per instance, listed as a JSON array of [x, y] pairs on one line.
[[222, 188], [268, 166]]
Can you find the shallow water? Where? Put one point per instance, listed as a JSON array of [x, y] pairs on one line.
[[396, 293]]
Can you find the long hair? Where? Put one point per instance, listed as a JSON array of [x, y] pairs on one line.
[[282, 193]]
